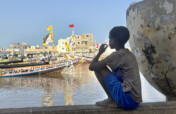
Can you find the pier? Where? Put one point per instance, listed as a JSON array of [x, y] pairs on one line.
[[144, 108]]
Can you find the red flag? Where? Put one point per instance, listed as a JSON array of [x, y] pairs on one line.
[[96, 46], [71, 26]]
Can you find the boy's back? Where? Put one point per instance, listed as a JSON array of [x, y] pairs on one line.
[[126, 61], [123, 85]]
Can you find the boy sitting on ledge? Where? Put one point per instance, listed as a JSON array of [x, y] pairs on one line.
[[123, 84]]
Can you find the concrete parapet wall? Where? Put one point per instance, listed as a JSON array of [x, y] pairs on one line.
[[145, 108]]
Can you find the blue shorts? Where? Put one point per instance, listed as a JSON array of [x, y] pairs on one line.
[[123, 99]]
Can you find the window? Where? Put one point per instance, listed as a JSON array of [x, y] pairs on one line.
[[87, 35]]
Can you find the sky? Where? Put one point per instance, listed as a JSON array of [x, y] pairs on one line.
[[25, 21]]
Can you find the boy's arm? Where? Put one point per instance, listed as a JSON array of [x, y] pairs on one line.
[[96, 65]]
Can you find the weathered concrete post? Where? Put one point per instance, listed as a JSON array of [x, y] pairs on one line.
[[152, 26]]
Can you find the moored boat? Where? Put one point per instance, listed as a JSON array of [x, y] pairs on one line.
[[7, 61], [30, 70]]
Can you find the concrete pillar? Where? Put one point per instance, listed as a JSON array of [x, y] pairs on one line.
[[152, 26]]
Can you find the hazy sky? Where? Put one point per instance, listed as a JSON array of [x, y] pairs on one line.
[[26, 20]]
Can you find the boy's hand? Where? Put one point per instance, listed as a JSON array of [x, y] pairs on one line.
[[102, 48]]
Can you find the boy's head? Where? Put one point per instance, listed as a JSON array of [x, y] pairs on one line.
[[118, 36]]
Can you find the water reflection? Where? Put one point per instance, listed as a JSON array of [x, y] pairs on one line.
[[75, 87], [68, 90], [48, 86]]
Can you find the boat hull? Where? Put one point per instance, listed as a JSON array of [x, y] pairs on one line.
[[31, 70]]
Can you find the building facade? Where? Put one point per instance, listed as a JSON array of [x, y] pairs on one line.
[[18, 48], [1, 49], [61, 46], [84, 43], [40, 49]]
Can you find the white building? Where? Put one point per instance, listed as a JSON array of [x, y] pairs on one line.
[[18, 48], [61, 46]]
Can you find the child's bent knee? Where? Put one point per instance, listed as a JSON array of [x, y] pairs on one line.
[[104, 71]]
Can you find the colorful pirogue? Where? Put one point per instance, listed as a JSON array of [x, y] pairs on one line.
[[22, 70]]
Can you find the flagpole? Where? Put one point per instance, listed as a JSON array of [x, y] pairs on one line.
[[72, 39], [73, 29], [53, 37]]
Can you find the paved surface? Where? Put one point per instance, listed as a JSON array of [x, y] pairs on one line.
[[145, 108]]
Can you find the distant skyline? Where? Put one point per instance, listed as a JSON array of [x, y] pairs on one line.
[[26, 21]]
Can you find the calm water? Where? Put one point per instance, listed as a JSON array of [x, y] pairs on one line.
[[75, 87]]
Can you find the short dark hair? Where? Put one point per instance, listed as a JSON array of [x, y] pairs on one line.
[[120, 34]]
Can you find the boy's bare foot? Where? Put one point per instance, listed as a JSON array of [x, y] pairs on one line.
[[107, 103]]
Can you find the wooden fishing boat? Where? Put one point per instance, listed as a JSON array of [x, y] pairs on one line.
[[7, 61], [21, 70]]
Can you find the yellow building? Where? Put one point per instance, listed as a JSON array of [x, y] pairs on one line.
[[32, 48], [84, 43], [52, 48]]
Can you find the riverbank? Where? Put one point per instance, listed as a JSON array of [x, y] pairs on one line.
[[144, 108]]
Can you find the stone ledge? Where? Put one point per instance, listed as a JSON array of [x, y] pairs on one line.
[[144, 108]]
